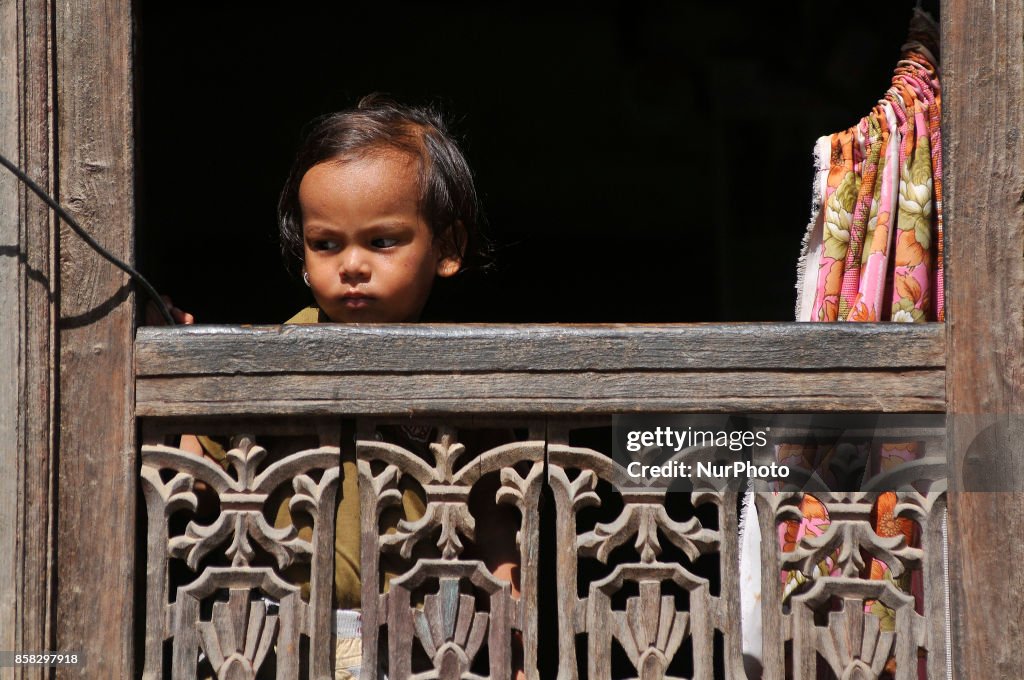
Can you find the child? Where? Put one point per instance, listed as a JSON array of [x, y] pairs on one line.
[[378, 203]]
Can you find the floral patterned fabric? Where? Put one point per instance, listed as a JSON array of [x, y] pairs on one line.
[[879, 256], [874, 251], [876, 256]]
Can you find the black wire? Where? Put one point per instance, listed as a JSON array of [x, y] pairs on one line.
[[75, 227]]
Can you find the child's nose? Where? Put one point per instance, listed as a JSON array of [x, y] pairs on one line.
[[354, 265]]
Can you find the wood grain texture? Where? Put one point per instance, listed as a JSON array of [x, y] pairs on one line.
[[650, 628], [542, 393], [500, 348], [97, 470], [432, 370], [983, 96], [10, 325], [851, 641], [465, 606], [241, 632], [27, 355]]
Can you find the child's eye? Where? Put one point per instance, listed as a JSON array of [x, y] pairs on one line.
[[325, 245], [384, 242]]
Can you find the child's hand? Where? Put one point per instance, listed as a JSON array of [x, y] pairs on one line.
[[154, 318], [189, 442]]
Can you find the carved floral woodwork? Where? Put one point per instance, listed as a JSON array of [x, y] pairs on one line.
[[433, 609], [650, 629], [240, 633], [464, 606], [834, 622]]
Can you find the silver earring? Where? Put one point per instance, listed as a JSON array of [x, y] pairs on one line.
[[305, 277]]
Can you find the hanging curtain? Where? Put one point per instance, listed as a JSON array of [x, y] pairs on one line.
[[872, 252]]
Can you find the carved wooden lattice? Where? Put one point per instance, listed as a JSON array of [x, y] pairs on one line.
[[464, 607], [828, 628], [433, 609], [651, 628], [222, 551]]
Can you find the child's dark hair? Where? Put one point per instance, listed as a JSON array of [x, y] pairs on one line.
[[448, 199]]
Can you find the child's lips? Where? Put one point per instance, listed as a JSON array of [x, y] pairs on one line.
[[356, 300]]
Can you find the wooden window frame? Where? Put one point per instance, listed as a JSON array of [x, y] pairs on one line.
[[69, 355]]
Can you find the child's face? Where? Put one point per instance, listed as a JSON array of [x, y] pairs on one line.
[[369, 253]]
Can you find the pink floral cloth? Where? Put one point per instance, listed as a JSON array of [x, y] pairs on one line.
[[874, 252]]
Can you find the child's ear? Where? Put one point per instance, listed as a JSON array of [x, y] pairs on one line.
[[448, 266], [453, 248]]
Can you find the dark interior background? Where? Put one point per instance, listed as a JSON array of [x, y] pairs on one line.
[[637, 160]]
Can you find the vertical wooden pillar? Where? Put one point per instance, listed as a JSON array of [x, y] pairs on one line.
[[9, 322], [983, 87], [97, 465], [27, 327]]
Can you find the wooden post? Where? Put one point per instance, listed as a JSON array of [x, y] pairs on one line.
[[97, 465], [27, 349], [983, 88]]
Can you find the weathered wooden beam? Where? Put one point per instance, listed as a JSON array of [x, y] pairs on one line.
[[335, 349], [983, 98], [531, 393], [27, 350], [97, 466], [493, 370], [10, 326]]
